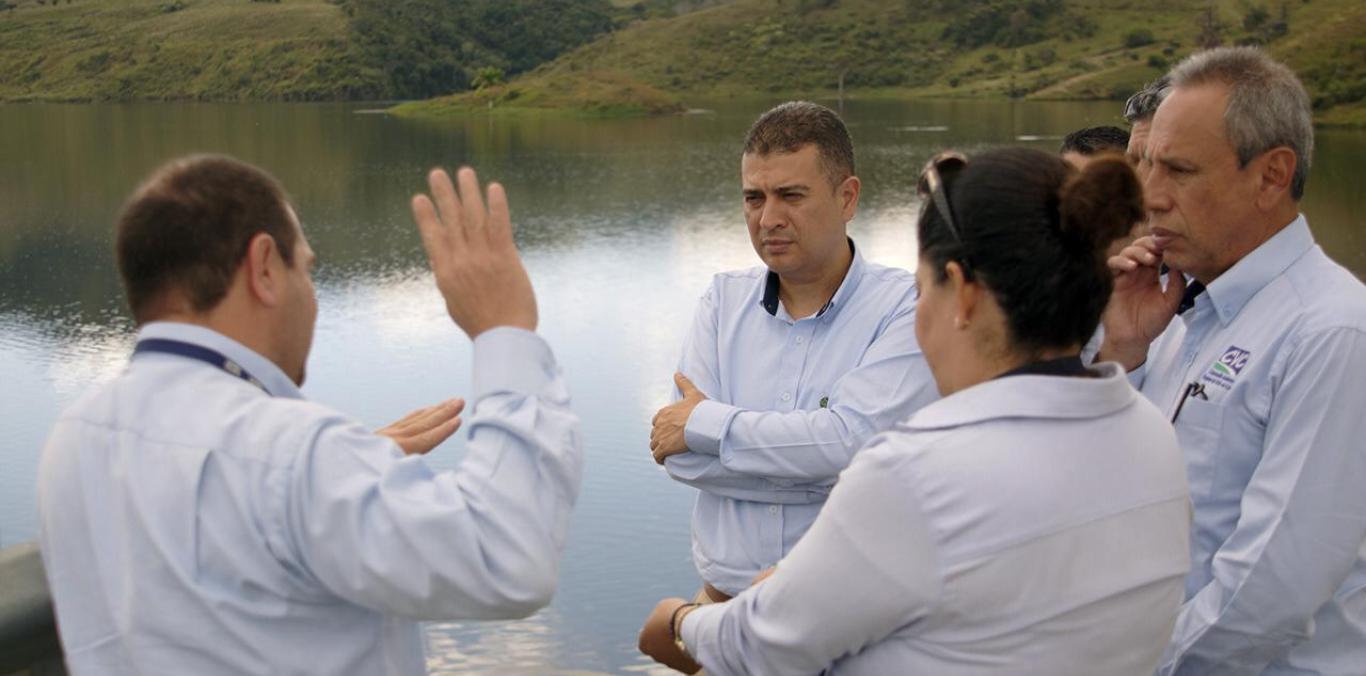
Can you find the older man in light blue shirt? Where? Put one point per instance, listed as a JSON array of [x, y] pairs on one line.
[[1260, 371], [789, 367], [198, 516]]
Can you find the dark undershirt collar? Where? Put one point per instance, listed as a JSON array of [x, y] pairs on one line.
[[770, 299], [1062, 366]]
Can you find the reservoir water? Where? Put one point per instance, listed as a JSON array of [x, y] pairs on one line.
[[621, 222]]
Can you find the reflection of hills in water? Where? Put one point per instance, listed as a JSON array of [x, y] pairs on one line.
[[65, 170]]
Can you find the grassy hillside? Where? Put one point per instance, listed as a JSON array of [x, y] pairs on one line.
[[968, 48], [178, 49], [281, 49], [651, 55]]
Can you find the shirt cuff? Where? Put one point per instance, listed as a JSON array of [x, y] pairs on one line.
[[700, 628], [707, 426], [508, 359]]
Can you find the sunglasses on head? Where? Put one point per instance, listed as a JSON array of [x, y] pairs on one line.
[[931, 186]]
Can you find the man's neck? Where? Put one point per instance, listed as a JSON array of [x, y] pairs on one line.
[[1269, 228], [803, 297], [245, 333]]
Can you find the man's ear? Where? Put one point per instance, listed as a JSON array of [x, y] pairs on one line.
[[848, 192], [264, 269], [1275, 172]]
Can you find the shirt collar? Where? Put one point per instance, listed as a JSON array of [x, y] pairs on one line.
[[769, 299], [1030, 396], [271, 377], [1232, 290]]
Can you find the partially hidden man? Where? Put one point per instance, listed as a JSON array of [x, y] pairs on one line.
[[1255, 349], [790, 366], [199, 516]]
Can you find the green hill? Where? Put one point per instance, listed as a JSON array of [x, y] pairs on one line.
[[1082, 49], [239, 50], [154, 49], [651, 56]]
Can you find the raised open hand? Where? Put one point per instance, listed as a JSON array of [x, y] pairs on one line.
[[472, 254]]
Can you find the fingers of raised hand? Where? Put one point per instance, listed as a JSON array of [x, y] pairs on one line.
[[435, 238], [473, 212], [500, 217], [446, 199]]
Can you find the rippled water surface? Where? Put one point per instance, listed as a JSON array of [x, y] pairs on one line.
[[622, 223]]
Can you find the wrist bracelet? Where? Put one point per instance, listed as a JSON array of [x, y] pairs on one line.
[[673, 620]]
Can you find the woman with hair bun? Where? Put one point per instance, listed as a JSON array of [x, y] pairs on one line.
[[1036, 519]]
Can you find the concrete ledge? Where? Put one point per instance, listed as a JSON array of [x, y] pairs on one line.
[[28, 627]]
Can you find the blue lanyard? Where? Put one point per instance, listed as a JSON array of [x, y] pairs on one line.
[[198, 353]]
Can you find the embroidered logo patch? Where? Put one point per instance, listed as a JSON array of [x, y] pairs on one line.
[[1226, 369]]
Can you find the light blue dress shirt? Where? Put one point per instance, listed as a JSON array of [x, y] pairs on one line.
[[192, 523], [1274, 436], [1029, 525], [789, 401]]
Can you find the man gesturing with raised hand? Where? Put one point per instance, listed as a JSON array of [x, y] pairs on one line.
[[199, 516], [472, 254]]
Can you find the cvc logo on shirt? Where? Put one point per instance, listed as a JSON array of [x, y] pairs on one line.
[[1226, 369]]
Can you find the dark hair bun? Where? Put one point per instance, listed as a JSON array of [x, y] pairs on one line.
[[1100, 204]]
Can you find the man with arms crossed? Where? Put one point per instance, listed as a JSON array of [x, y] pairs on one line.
[[198, 516], [1254, 348], [789, 367]]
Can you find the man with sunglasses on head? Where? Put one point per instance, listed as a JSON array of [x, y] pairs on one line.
[[792, 365], [1253, 345], [1138, 112]]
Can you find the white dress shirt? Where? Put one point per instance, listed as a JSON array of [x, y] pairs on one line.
[[789, 401], [1029, 525], [1275, 442], [195, 523]]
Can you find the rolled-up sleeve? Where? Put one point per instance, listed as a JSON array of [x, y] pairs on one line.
[[867, 567], [482, 541], [1302, 523]]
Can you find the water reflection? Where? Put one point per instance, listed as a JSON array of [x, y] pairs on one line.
[[622, 224]]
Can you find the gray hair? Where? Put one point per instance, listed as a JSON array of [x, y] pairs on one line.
[[1267, 105], [1143, 104]]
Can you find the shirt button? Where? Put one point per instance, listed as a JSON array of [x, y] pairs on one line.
[[787, 396], [801, 339], [773, 509]]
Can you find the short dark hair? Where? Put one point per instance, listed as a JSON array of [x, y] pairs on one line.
[[788, 127], [1034, 230], [1092, 140], [1142, 106], [187, 228]]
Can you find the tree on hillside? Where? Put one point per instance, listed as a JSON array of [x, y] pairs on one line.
[[430, 47], [1005, 23], [487, 76]]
